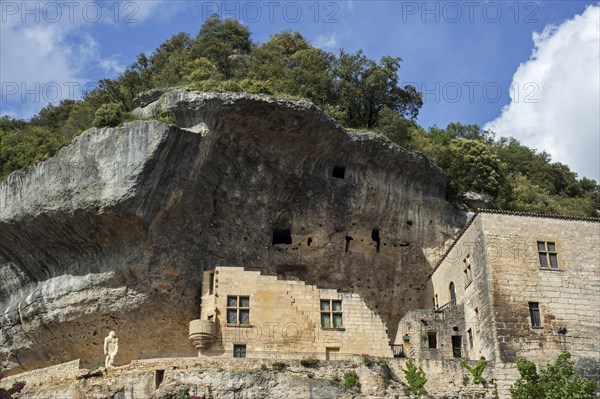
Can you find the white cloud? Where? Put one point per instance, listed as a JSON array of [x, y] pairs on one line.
[[46, 54], [559, 111], [325, 41]]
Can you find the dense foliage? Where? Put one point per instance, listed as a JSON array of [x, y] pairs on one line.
[[359, 92], [555, 381]]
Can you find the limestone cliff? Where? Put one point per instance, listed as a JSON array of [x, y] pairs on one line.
[[114, 231]]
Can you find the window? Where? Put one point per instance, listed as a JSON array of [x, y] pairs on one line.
[[436, 302], [238, 310], [452, 294], [470, 336], [239, 350], [547, 254], [211, 284], [348, 239], [456, 346], [534, 313], [467, 271], [432, 339], [331, 313]]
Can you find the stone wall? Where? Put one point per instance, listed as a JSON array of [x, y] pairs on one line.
[[255, 379], [285, 319], [568, 297], [431, 334], [474, 296]]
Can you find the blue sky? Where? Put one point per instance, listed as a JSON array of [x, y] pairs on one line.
[[523, 68]]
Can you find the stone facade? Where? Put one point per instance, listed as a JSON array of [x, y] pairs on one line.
[[269, 318], [528, 287]]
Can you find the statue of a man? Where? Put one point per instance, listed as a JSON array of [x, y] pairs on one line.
[[111, 346]]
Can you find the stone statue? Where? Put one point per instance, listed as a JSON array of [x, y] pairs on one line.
[[111, 346]]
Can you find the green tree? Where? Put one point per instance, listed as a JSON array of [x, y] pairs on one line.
[[365, 88], [471, 165], [554, 381], [400, 130], [109, 115], [226, 43], [415, 378], [288, 64]]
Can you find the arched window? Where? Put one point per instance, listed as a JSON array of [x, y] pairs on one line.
[[452, 294]]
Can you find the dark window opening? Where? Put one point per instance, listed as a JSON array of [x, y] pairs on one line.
[[339, 172], [239, 350], [309, 241], [375, 237], [348, 239], [452, 294], [534, 313], [159, 376], [456, 346], [470, 335], [547, 254], [432, 340], [211, 284], [282, 236]]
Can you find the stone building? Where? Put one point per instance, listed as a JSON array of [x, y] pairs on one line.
[[246, 314], [513, 286]]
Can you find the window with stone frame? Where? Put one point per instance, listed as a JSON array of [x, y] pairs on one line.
[[534, 314], [548, 254], [239, 351], [238, 309], [331, 313], [467, 271]]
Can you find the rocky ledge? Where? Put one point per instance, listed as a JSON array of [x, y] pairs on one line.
[[114, 231]]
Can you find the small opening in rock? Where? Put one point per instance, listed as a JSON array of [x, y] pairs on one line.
[[309, 241], [375, 237], [282, 236], [159, 376], [339, 172], [348, 239], [409, 222]]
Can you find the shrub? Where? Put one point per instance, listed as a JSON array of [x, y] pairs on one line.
[[309, 362], [366, 359], [351, 380], [109, 115], [553, 381], [279, 366], [96, 365], [12, 391], [335, 378], [415, 377], [477, 370]]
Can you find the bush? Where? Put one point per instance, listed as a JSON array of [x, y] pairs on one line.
[[279, 366], [552, 382], [415, 377], [335, 378], [15, 389], [477, 370], [309, 362], [351, 380], [366, 359], [109, 115]]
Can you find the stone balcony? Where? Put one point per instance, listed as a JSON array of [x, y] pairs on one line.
[[203, 333]]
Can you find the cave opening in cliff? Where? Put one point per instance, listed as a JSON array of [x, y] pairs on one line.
[[159, 376], [375, 237], [339, 172], [282, 236], [348, 240], [309, 241]]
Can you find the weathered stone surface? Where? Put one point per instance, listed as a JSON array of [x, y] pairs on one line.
[[248, 379], [115, 230]]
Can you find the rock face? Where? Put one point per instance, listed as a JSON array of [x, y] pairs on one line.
[[113, 232]]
